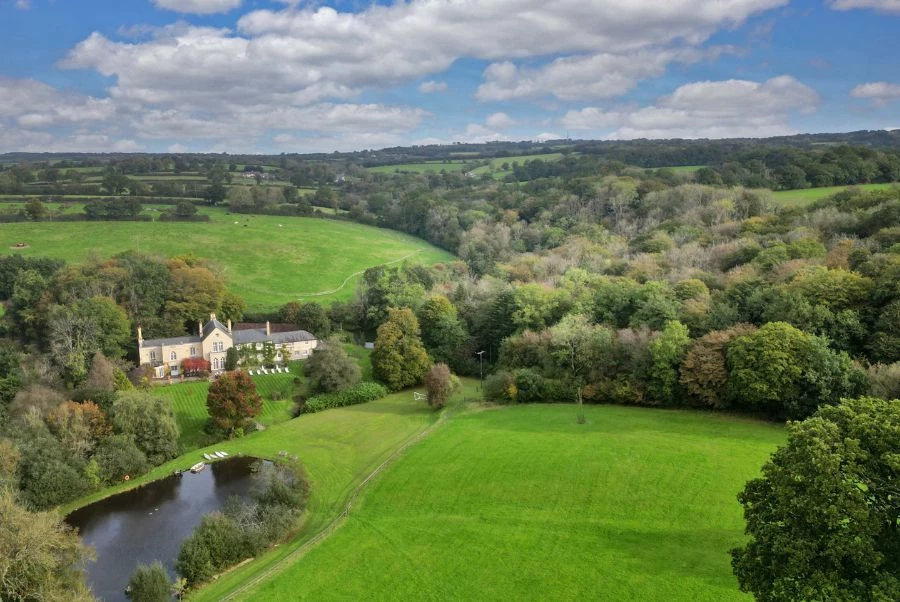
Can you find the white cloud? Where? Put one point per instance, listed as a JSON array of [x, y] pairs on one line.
[[299, 70], [880, 93], [547, 136], [330, 118], [198, 7], [887, 6], [710, 109], [430, 87], [23, 4], [177, 148], [33, 104], [305, 55], [499, 121], [603, 75], [477, 134]]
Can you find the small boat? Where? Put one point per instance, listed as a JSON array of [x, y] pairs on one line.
[[198, 467], [220, 454], [207, 456], [178, 473], [224, 454]]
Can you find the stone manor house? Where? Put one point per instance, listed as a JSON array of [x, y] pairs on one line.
[[213, 340]]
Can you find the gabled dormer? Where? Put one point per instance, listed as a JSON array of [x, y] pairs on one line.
[[216, 337]]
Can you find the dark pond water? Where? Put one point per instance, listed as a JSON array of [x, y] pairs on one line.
[[149, 523]]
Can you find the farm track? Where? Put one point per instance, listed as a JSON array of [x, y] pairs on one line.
[[338, 520], [350, 277]]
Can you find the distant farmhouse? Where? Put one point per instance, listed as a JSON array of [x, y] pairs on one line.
[[212, 341]]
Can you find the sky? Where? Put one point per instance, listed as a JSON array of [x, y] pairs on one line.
[[273, 76]]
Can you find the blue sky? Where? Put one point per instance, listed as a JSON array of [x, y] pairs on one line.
[[301, 76]]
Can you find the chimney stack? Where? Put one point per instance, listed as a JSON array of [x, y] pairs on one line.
[[229, 325], [212, 316], [268, 329], [140, 336], [200, 326]]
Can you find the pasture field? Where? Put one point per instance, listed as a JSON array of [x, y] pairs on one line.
[[268, 260], [189, 403], [807, 196], [686, 168], [425, 167], [495, 167], [524, 503]]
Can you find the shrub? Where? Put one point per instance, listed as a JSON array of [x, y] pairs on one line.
[[361, 393], [214, 546], [119, 456], [330, 369], [149, 584], [884, 380], [440, 385], [501, 387]]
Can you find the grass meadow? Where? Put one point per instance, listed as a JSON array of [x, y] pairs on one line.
[[807, 196], [524, 503], [426, 167], [268, 260], [495, 167]]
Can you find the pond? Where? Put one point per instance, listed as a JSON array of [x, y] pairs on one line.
[[150, 522]]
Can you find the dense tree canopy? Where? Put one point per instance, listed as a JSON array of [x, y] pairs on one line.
[[399, 359], [823, 516]]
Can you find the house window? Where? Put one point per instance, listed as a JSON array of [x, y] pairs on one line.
[[152, 356], [173, 356], [215, 363], [193, 351], [218, 346]]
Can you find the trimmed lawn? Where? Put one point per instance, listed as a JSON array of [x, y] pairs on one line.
[[189, 404], [495, 167], [807, 196], [524, 503], [267, 260]]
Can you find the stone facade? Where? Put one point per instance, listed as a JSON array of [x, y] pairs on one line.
[[212, 342]]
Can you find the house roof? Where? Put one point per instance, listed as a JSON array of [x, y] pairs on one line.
[[210, 326], [256, 335], [239, 337], [170, 341]]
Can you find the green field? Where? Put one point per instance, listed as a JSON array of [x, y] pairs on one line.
[[686, 168], [189, 403], [495, 167], [807, 196], [425, 167], [524, 503], [268, 260], [502, 503]]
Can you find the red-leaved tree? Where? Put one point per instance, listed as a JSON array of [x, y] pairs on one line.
[[232, 401]]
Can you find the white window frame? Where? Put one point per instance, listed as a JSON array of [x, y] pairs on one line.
[[152, 356], [173, 356]]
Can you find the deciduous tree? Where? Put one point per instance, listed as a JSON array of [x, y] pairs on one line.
[[330, 369], [232, 401], [149, 420], [823, 516], [399, 359], [40, 556]]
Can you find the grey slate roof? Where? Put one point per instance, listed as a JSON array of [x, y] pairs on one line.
[[212, 325], [255, 335], [239, 337], [170, 341]]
